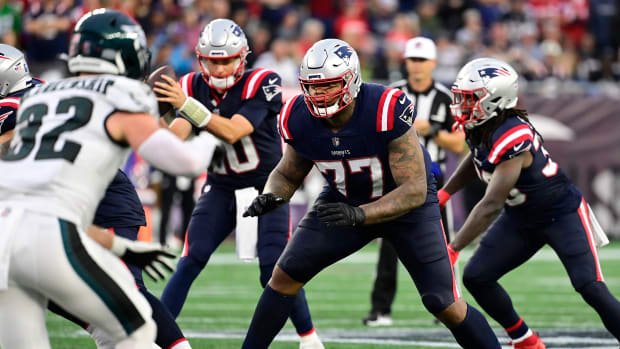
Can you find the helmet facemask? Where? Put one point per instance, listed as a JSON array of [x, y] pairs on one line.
[[222, 82], [467, 109], [319, 103]]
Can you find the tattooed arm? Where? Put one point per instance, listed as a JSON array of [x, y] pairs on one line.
[[288, 174], [409, 172]]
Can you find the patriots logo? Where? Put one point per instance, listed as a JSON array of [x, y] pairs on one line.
[[271, 91], [335, 141], [3, 117], [407, 115], [492, 72], [344, 52]]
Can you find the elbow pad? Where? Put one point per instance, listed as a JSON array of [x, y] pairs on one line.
[[195, 112]]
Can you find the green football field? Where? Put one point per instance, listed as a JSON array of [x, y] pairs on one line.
[[222, 300]]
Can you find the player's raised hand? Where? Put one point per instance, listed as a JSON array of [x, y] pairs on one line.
[[454, 255], [152, 258], [262, 204], [339, 214]]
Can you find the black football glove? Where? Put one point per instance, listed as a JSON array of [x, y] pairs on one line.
[[152, 258], [339, 214], [262, 204]]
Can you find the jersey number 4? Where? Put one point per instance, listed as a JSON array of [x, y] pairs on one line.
[[355, 166], [33, 117]]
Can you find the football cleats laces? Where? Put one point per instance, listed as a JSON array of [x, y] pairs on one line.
[[222, 38], [14, 72], [483, 88], [326, 62], [106, 41]]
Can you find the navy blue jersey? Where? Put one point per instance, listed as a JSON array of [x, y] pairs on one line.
[[257, 96], [354, 160], [120, 207], [9, 106], [543, 189]]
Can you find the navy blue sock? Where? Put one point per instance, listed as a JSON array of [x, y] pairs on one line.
[[271, 312], [518, 330], [474, 332], [176, 290], [300, 314], [168, 332], [597, 295]]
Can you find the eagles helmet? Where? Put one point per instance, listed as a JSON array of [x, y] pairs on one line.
[[222, 38], [14, 72], [328, 61], [483, 88], [106, 41]]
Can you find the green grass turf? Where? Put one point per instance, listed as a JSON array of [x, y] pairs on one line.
[[223, 298]]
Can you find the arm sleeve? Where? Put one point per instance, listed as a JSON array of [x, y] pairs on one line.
[[168, 153]]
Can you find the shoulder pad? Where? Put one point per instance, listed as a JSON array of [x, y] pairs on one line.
[[284, 115], [187, 84], [510, 140], [132, 96], [261, 78], [385, 109]]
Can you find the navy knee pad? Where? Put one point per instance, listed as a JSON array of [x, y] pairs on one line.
[[434, 303]]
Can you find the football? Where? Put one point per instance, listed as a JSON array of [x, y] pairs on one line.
[[164, 107]]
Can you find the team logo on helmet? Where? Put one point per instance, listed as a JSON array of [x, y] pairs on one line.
[[493, 72], [345, 53]]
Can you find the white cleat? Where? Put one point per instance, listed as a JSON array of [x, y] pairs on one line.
[[375, 319], [310, 341]]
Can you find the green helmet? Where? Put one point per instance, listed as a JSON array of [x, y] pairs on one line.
[[106, 41]]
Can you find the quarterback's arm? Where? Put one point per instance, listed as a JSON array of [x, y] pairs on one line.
[[409, 172], [5, 140], [488, 208], [229, 130], [288, 174], [464, 174]]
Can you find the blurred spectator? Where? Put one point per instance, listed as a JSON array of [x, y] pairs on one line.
[[451, 14], [590, 66], [312, 31], [279, 59], [470, 35], [430, 24], [449, 60], [47, 25], [352, 20], [381, 14], [10, 22]]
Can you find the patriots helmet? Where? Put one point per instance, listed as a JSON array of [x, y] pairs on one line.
[[483, 88], [107, 41], [14, 72], [326, 62], [222, 38]]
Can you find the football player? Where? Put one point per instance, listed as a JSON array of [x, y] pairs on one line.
[[70, 138], [15, 80], [240, 107], [360, 138], [529, 201]]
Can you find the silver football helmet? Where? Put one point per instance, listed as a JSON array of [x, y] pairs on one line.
[[14, 72], [483, 88], [329, 61], [222, 38]]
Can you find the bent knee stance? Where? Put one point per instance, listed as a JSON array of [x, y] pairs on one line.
[[435, 303], [474, 280], [283, 283], [143, 337]]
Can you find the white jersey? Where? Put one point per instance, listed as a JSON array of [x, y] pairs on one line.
[[62, 159]]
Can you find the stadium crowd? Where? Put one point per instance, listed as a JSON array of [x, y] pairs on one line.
[[563, 42]]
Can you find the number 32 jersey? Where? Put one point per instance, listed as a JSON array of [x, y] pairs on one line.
[[61, 158], [354, 161], [543, 190]]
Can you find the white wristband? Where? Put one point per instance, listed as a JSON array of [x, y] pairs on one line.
[[118, 246], [195, 112]]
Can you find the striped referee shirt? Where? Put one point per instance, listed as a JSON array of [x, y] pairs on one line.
[[432, 105]]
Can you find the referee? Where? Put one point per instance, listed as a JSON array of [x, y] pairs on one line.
[[434, 125]]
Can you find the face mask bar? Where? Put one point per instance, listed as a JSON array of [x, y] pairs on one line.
[[318, 104], [466, 107], [221, 81]]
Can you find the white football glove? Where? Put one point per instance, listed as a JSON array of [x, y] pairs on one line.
[[152, 258]]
